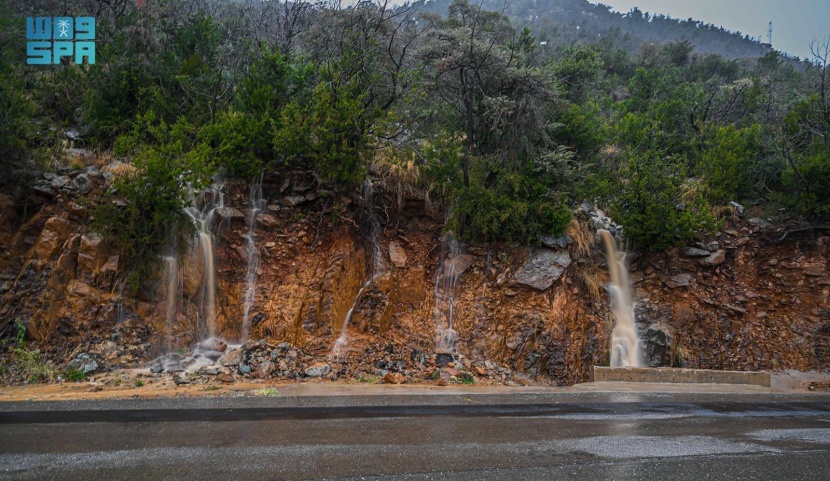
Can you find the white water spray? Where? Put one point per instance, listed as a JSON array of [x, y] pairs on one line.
[[625, 343], [257, 205], [446, 282], [171, 294]]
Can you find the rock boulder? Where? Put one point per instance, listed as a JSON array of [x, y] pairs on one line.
[[544, 267]]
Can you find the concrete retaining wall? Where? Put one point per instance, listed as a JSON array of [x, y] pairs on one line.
[[683, 376]]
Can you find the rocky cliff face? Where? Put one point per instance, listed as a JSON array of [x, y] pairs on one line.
[[741, 300]]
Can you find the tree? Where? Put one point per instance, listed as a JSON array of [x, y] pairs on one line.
[[806, 140], [467, 57]]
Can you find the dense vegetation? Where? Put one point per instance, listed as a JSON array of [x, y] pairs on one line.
[[506, 131]]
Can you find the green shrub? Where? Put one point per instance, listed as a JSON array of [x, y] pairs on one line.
[[726, 163], [809, 182], [28, 361], [74, 374], [239, 143], [514, 207], [329, 134], [657, 206]]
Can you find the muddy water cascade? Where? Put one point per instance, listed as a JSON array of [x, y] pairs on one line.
[[625, 342], [202, 211]]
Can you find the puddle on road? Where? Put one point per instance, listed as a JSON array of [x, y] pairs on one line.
[[809, 435]]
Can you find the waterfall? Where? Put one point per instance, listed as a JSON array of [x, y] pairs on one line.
[[171, 294], [378, 264], [449, 271], [202, 211], [342, 339], [257, 205], [625, 342]]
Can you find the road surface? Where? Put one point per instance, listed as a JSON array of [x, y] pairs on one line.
[[588, 436]]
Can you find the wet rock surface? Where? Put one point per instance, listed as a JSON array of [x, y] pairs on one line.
[[659, 346], [742, 299]]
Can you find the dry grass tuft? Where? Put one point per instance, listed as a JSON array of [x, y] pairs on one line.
[[103, 160], [398, 174], [582, 235], [594, 284], [121, 170]]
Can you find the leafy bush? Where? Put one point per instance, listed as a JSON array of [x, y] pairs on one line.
[[726, 163], [16, 107], [656, 206], [74, 374], [441, 172], [512, 206], [239, 143], [329, 134], [28, 361], [810, 183]]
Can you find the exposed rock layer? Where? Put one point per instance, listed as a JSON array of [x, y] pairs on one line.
[[737, 301]]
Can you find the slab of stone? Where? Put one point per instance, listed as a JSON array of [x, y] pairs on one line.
[[695, 252], [680, 376], [230, 214], [552, 241], [319, 369], [397, 255], [294, 200], [680, 280], [759, 222], [544, 267], [268, 221], [457, 265]]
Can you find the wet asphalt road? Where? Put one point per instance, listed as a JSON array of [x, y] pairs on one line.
[[587, 437]]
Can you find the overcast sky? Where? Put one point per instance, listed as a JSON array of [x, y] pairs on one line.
[[795, 22]]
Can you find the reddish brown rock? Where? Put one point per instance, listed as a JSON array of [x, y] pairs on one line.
[[397, 255], [91, 256], [225, 378], [717, 258], [393, 378], [51, 238]]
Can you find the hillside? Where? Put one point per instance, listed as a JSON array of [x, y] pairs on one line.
[[294, 190], [566, 22]]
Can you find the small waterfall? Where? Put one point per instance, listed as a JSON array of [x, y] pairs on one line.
[[625, 343], [171, 295], [257, 205], [452, 265], [202, 211], [120, 315], [342, 339], [378, 264]]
